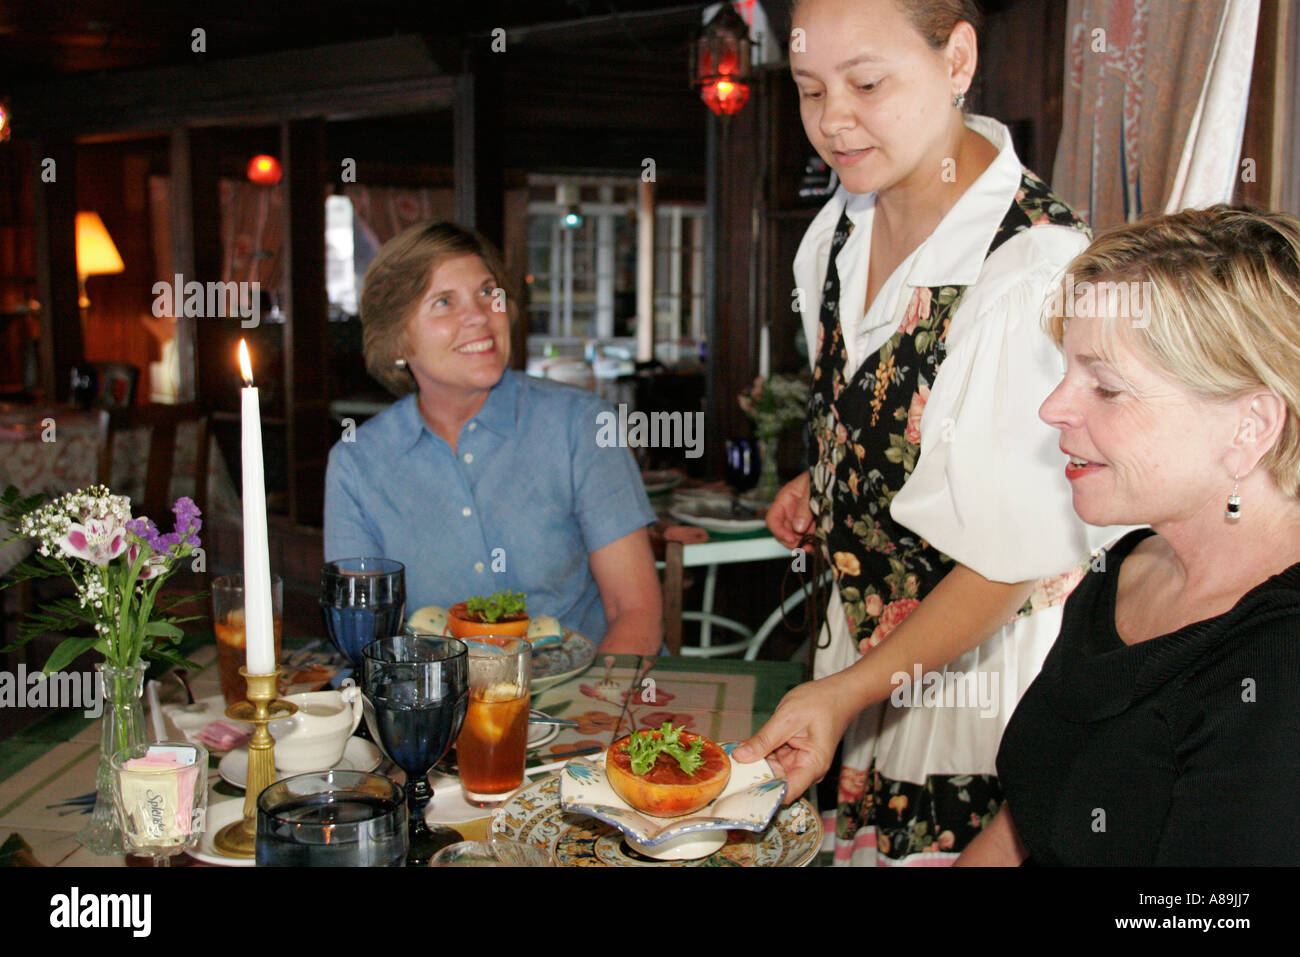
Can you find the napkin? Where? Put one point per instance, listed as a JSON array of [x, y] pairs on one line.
[[222, 736], [202, 722]]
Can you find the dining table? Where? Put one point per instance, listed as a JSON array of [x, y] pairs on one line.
[[47, 770]]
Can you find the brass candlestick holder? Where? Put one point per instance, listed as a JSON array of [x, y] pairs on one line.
[[240, 838]]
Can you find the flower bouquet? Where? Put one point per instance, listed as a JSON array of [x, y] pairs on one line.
[[116, 565], [773, 404]]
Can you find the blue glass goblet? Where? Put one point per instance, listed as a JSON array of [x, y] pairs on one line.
[[416, 690], [362, 600]]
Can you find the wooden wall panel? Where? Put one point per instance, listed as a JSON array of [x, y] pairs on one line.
[[112, 180], [308, 432], [56, 264]]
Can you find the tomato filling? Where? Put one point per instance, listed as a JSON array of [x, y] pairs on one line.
[[666, 770]]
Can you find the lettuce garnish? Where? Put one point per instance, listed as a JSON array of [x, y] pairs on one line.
[[644, 749], [494, 607]]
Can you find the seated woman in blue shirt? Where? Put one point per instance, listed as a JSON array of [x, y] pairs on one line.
[[481, 478]]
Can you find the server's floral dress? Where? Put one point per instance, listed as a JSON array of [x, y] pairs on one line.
[[927, 451]]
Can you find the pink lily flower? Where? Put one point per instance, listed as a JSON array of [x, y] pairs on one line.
[[153, 566], [99, 541]]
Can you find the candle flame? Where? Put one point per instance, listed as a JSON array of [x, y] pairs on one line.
[[245, 365]]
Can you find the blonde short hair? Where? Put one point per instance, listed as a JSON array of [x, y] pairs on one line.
[[399, 277], [1220, 307]]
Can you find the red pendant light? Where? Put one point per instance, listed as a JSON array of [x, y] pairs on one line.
[[725, 97], [264, 170], [720, 66]]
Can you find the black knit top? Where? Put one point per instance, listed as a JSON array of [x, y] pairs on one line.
[[1184, 749]]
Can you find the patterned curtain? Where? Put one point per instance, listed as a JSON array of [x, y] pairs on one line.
[[1155, 105], [384, 211]]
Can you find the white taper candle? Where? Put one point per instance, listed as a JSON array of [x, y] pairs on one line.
[[259, 625]]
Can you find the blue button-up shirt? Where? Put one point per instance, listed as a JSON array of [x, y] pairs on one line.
[[527, 496]]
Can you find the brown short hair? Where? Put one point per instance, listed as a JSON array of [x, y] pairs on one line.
[[1221, 308], [934, 19], [396, 281]]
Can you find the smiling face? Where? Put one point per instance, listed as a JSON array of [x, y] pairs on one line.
[[874, 96], [1143, 450], [457, 341]]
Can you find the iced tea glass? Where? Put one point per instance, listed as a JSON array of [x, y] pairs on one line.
[[228, 623], [491, 748]]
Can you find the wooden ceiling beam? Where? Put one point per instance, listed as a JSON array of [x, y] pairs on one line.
[[370, 77]]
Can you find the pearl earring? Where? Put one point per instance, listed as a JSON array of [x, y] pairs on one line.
[[400, 363], [959, 100], [1234, 501]]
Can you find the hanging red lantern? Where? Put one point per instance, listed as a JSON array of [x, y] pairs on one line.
[[725, 97], [721, 63], [264, 170]]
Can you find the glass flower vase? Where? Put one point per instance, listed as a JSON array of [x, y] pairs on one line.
[[769, 481], [122, 726]]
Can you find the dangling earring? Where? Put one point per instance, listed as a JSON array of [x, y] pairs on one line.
[[1234, 501], [959, 100], [400, 363]]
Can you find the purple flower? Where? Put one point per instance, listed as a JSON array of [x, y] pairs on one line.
[[185, 531], [144, 528], [165, 542], [188, 522]]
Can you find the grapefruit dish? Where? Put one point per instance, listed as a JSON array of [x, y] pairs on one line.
[[673, 793], [667, 773], [501, 613]]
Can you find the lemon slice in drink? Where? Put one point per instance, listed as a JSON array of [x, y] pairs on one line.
[[500, 691], [492, 723]]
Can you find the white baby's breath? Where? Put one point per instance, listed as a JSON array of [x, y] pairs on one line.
[[112, 565]]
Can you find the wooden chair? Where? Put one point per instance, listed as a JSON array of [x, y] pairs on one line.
[[674, 585], [671, 544], [83, 438], [163, 423], [672, 539], [117, 385]]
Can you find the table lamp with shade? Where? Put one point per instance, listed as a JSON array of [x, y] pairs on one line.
[[96, 254]]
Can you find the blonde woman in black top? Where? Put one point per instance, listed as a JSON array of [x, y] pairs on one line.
[[1163, 728]]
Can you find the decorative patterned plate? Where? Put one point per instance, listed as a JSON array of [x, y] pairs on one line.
[[533, 816], [553, 661], [543, 630], [552, 665], [717, 516], [658, 482]]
